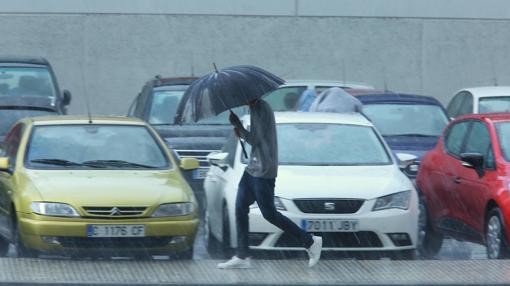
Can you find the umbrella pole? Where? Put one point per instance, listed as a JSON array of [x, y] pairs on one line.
[[241, 141]]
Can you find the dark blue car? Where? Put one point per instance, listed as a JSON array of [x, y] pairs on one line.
[[410, 124]]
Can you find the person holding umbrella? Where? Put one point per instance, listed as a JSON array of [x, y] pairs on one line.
[[223, 90], [257, 185]]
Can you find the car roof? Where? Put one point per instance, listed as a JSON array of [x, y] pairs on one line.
[[319, 117], [24, 60], [500, 116], [329, 83], [488, 91], [389, 97], [28, 102], [159, 81], [83, 119]]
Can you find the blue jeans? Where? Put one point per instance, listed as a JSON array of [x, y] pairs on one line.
[[252, 189]]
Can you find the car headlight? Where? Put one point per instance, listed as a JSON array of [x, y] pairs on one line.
[[174, 209], [277, 203], [53, 209], [394, 201]]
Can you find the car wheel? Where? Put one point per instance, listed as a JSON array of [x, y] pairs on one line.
[[21, 249], [497, 246], [408, 254], [429, 241], [225, 242]]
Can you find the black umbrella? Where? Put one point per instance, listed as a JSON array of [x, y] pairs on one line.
[[223, 90]]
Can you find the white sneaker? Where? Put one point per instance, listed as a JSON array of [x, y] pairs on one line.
[[314, 252], [236, 263]]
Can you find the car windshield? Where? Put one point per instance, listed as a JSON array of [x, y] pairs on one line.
[[20, 81], [164, 108], [318, 144], [9, 116], [94, 146], [406, 119], [494, 104], [286, 98]]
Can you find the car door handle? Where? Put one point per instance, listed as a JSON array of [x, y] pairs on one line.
[[457, 180]]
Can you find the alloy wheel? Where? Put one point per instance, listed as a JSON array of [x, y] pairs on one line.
[[494, 237]]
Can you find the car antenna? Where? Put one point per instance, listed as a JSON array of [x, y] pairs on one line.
[[87, 103]]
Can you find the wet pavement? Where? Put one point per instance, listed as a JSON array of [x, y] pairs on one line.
[[264, 272]]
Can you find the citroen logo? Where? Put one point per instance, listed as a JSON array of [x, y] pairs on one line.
[[115, 211], [329, 206]]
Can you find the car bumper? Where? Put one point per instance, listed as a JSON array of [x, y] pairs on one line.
[[70, 235], [374, 232]]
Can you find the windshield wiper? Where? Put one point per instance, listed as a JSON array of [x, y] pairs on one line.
[[56, 162], [116, 163], [410, 135]]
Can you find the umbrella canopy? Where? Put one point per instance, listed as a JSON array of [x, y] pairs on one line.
[[336, 100], [223, 90]]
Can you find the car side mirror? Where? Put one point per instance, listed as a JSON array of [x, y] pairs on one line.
[[218, 159], [405, 160], [189, 164], [4, 164], [473, 161], [67, 97]]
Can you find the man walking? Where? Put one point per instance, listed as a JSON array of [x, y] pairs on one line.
[[257, 185]]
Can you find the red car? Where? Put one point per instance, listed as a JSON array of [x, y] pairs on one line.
[[464, 186]]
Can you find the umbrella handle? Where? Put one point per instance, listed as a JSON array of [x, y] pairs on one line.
[[240, 141], [244, 150]]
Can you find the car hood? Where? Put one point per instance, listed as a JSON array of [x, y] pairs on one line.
[[417, 146], [358, 182], [109, 188], [194, 137]]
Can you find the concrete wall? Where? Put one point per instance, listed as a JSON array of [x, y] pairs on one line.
[[105, 50]]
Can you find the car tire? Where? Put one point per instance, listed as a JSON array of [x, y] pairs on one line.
[[429, 241], [21, 249], [495, 238], [184, 255], [408, 254], [226, 248]]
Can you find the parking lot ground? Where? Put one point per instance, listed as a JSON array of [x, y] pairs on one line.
[[264, 272]]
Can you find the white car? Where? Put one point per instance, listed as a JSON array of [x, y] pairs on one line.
[[285, 98], [336, 177], [479, 100]]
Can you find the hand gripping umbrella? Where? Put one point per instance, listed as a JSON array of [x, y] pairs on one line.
[[223, 90]]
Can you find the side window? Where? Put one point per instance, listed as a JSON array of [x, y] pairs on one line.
[[12, 141], [132, 108], [454, 139], [230, 148], [141, 103], [479, 141], [467, 104], [454, 105]]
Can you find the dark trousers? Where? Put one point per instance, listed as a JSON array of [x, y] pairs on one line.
[[261, 190]]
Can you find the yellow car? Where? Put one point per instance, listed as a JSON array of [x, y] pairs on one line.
[[105, 185]]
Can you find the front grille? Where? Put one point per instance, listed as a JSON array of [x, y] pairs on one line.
[[115, 211], [325, 206], [200, 155], [113, 242], [336, 239]]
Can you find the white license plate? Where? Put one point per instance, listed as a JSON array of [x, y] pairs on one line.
[[329, 225], [115, 230], [199, 173]]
